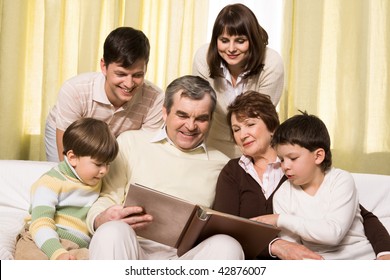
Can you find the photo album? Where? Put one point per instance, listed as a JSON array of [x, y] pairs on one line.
[[183, 225]]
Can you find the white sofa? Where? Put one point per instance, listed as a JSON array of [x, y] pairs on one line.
[[17, 176]]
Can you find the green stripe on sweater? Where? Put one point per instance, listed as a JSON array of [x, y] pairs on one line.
[[74, 211], [67, 235], [42, 211], [50, 246]]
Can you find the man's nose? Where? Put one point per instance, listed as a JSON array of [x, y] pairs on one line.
[[128, 82], [191, 124]]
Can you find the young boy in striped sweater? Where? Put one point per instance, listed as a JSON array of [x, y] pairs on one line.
[[61, 198]]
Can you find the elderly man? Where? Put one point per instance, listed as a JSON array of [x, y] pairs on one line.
[[175, 161]]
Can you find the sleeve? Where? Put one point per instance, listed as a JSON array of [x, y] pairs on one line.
[[199, 65], [227, 195], [332, 227], [114, 184], [272, 77], [375, 232], [43, 228], [69, 106], [154, 118], [281, 206]]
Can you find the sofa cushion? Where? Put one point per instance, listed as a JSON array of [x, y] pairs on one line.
[[16, 178]]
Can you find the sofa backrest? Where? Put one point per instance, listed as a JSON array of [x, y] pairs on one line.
[[18, 176], [374, 195]]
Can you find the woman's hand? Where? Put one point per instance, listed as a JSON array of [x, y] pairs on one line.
[[384, 257], [286, 250]]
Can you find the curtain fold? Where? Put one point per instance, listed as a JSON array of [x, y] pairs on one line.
[[337, 60], [43, 43], [12, 77], [175, 29]]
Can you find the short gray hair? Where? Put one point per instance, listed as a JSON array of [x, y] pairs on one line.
[[193, 87]]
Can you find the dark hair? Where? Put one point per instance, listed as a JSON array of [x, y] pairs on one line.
[[252, 104], [307, 131], [237, 19], [125, 46], [91, 137], [192, 87]]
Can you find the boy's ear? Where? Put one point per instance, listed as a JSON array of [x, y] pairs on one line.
[[319, 155], [72, 158]]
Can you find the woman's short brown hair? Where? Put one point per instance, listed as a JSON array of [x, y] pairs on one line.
[[252, 104]]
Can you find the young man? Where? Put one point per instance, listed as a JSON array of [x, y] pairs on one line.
[[61, 198], [118, 95], [175, 160]]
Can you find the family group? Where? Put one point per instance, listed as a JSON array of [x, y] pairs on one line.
[[213, 137]]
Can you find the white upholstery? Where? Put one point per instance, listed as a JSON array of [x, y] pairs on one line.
[[17, 176], [374, 195]]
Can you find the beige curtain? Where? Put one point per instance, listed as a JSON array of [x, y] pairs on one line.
[[336, 54], [337, 58], [45, 42], [176, 29]]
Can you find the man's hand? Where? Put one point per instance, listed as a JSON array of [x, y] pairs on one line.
[[132, 215], [287, 250]]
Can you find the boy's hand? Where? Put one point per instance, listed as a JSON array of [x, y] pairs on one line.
[[271, 219], [66, 256]]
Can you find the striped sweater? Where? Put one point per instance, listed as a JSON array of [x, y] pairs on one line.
[[59, 206]]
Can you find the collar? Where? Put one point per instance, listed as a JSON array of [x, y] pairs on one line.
[[100, 95], [162, 136], [70, 170], [246, 162], [99, 90], [228, 76]]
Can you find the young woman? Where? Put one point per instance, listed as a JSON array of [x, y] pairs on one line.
[[237, 59]]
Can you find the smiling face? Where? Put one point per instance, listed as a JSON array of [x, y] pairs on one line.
[[122, 83], [188, 121], [233, 49], [251, 135]]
